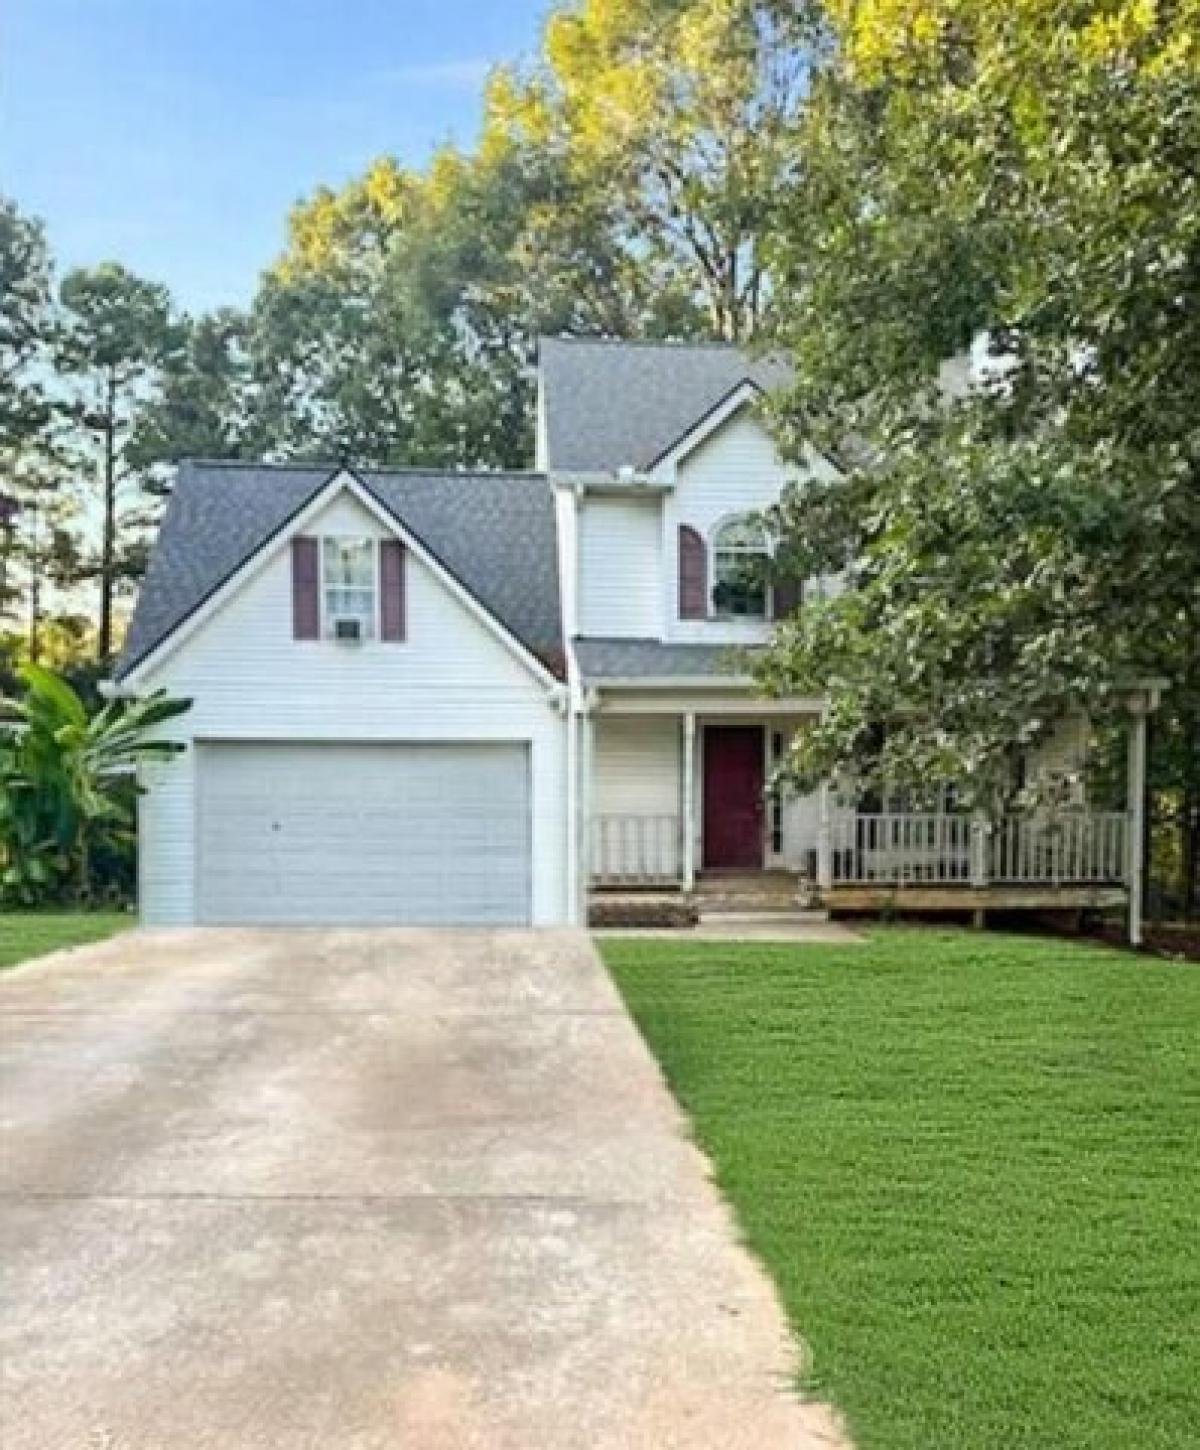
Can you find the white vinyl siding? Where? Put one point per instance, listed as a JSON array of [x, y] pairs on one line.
[[620, 575], [637, 766], [637, 800], [734, 472], [250, 680], [353, 834]]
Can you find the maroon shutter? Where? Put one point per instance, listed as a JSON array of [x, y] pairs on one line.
[[786, 596], [693, 574], [306, 604], [391, 583]]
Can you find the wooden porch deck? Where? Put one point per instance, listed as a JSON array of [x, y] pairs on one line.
[[997, 896]]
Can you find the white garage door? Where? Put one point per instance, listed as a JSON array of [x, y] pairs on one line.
[[346, 834]]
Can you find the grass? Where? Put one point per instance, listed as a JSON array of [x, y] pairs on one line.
[[972, 1165], [26, 934]]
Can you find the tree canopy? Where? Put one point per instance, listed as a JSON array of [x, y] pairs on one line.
[[1019, 184]]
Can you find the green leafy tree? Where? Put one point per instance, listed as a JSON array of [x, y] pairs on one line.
[[26, 323], [42, 539], [117, 335], [400, 324], [625, 185], [349, 359], [1020, 181], [677, 120], [26, 415], [200, 407], [63, 783]]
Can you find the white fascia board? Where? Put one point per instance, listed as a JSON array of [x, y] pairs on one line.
[[342, 482], [672, 682], [706, 703], [742, 396], [643, 486]]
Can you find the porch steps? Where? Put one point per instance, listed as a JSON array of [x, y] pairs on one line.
[[754, 897], [797, 916]]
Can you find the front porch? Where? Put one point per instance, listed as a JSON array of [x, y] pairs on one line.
[[869, 858], [677, 797]]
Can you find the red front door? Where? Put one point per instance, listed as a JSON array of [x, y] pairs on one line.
[[733, 796]]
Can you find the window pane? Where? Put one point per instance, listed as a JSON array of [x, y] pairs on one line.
[[739, 584], [349, 601], [349, 578], [742, 534], [350, 561]]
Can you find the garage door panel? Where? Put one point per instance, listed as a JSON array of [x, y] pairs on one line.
[[433, 834]]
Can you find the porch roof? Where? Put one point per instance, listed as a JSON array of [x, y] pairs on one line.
[[607, 661]]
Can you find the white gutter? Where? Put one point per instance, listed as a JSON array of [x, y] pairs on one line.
[[670, 682]]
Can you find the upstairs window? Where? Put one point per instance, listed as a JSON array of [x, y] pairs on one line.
[[741, 560], [348, 583]]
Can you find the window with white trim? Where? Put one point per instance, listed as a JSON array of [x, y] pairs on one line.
[[739, 570], [349, 583]]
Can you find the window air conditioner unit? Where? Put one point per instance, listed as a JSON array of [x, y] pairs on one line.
[[347, 629]]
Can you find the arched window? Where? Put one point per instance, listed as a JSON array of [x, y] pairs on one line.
[[739, 571]]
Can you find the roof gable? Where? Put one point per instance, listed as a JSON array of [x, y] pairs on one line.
[[493, 534], [612, 404]]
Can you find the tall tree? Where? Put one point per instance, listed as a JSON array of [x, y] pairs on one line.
[[400, 324], [26, 328], [26, 324], [201, 405], [678, 118], [1020, 180], [42, 540], [117, 335]]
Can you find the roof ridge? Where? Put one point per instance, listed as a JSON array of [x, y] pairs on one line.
[[579, 339], [414, 470], [247, 465], [258, 463]]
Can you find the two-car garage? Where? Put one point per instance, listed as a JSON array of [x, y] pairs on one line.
[[391, 833]]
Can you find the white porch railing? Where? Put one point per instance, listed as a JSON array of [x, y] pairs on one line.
[[1087, 846], [899, 848], [902, 849], [635, 850]]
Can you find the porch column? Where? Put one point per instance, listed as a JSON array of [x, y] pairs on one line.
[[980, 831], [1135, 804], [689, 801], [587, 757], [824, 839]]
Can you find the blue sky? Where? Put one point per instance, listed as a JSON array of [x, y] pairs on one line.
[[173, 135]]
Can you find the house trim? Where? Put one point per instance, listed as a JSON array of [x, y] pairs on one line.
[[343, 481], [741, 395]]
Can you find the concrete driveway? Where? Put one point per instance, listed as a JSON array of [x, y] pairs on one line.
[[359, 1189]]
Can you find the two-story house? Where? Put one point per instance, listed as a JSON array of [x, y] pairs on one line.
[[477, 697]]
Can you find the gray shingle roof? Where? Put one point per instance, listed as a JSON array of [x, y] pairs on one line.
[[608, 404], [493, 532], [638, 659]]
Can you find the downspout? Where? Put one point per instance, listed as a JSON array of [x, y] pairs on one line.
[[587, 755], [572, 812], [566, 527]]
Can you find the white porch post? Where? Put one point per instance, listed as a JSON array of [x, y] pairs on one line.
[[979, 849], [1135, 809], [587, 756], [824, 839], [689, 801]]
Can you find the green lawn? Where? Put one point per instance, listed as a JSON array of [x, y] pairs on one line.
[[34, 933], [972, 1164]]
